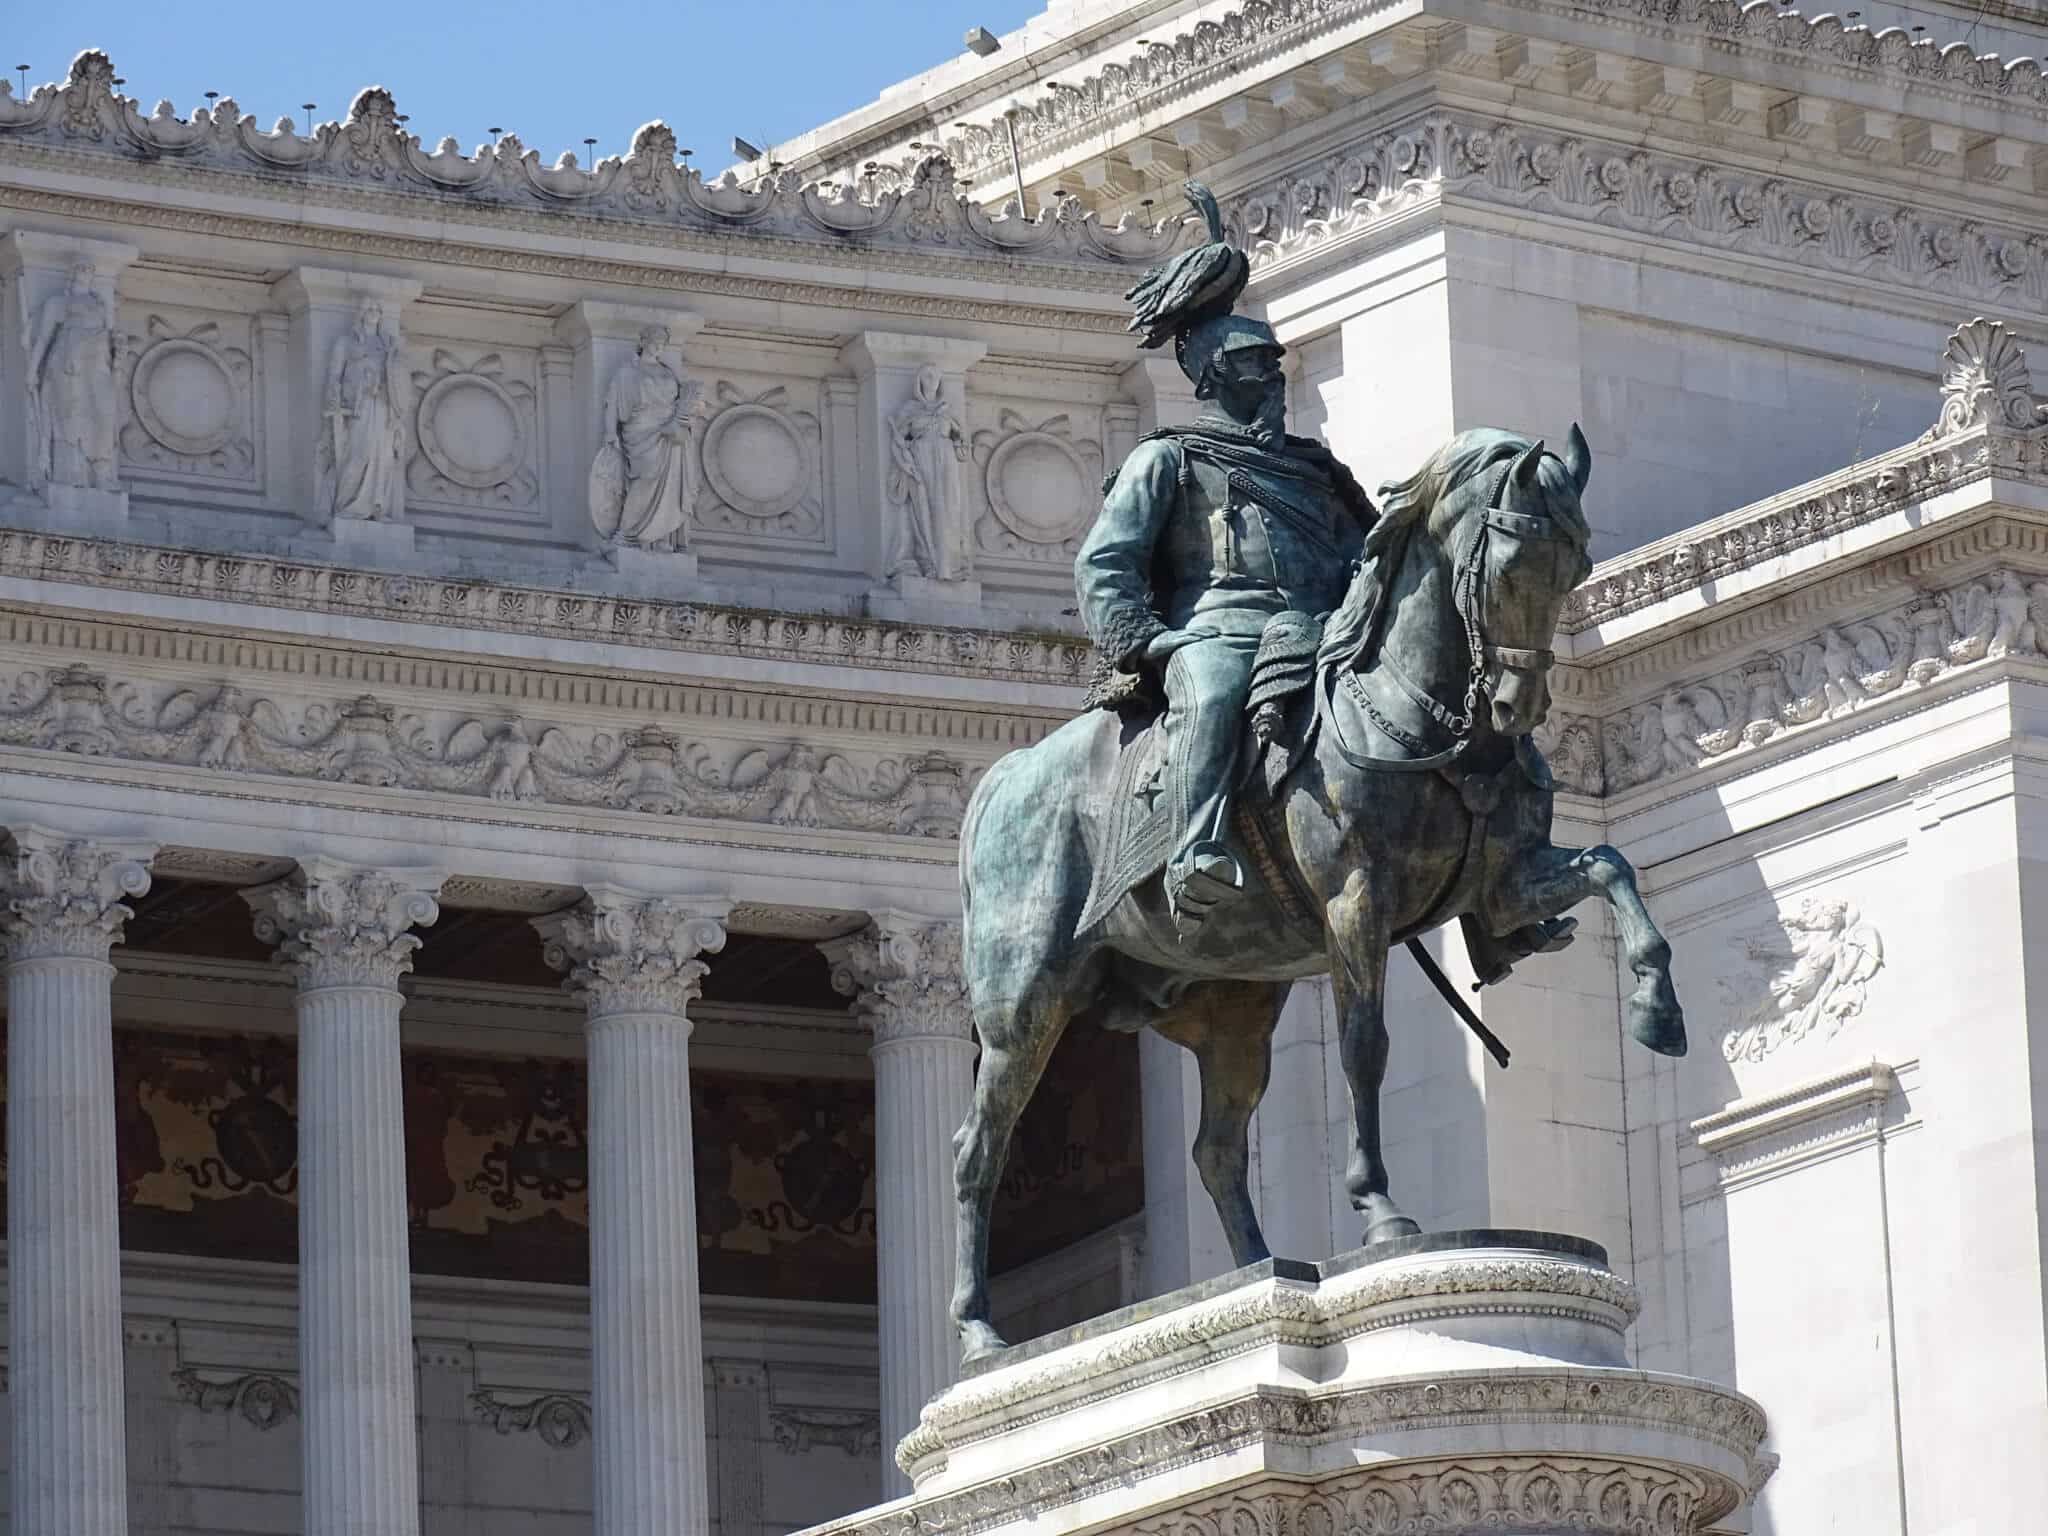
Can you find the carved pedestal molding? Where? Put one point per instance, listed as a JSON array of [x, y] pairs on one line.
[[887, 364], [324, 307], [636, 961], [64, 399], [344, 932], [1441, 1389], [903, 973], [67, 1473]]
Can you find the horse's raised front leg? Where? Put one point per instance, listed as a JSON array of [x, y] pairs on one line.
[[1358, 972], [1551, 880], [1229, 1026]]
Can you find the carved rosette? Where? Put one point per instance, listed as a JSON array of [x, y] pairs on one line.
[[337, 925], [626, 953], [63, 894], [905, 977]]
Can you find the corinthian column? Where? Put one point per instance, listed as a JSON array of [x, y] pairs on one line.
[[343, 932], [903, 973], [68, 1475], [634, 960]]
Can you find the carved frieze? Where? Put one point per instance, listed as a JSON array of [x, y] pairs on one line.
[[1834, 672], [1042, 484], [508, 758], [559, 1420], [263, 1400], [856, 1431], [761, 456], [191, 396]]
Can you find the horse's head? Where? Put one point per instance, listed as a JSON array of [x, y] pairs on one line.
[[1504, 514]]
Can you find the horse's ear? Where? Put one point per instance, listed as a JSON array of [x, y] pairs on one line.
[[1578, 458], [1524, 472]]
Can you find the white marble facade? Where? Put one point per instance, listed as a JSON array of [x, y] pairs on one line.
[[387, 530]]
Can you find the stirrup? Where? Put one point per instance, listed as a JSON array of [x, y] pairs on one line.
[[1212, 876]]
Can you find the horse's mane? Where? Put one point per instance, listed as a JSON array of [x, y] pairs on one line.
[[1405, 504]]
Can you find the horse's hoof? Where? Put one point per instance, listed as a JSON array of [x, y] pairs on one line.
[[1657, 1024], [1384, 1221], [978, 1341]]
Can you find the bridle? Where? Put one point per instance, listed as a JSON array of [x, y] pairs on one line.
[[1468, 596]]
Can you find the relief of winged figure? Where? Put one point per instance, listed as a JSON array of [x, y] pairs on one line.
[[1820, 959]]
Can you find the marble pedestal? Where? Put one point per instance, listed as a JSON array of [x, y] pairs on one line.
[[1468, 1382]]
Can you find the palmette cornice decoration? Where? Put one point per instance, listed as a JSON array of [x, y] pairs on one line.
[[915, 205], [339, 925], [453, 603], [627, 954], [905, 977], [645, 770], [62, 894]]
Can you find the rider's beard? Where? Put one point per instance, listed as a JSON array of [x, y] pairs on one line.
[[1269, 425]]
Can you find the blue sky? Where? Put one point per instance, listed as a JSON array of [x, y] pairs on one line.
[[554, 73]]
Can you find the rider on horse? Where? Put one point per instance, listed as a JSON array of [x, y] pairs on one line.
[[1207, 532]]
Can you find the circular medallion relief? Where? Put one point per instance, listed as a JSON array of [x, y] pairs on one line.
[[470, 431], [1038, 487], [184, 396], [757, 461]]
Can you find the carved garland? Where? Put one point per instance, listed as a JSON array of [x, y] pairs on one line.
[[366, 741]]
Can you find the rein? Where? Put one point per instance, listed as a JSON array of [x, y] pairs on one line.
[[1466, 601]]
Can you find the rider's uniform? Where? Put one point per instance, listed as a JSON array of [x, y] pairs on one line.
[[1206, 529]]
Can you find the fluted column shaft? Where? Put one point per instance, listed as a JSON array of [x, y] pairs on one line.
[[903, 973], [68, 1474], [343, 931], [634, 960]]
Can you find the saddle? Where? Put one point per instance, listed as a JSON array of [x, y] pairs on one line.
[[1141, 830]]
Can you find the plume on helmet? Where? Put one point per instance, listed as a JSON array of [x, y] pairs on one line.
[[1196, 285]]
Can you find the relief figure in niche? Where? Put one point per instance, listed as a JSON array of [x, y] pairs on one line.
[[926, 450], [362, 446], [640, 486], [72, 406]]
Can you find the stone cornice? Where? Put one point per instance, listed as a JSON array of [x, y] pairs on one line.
[[1704, 201], [262, 581], [911, 207]]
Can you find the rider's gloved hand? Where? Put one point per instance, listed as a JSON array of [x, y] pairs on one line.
[[1166, 642]]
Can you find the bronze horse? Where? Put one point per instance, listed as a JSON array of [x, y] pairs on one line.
[[1414, 796]]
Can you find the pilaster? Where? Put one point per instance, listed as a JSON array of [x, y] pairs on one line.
[[601, 337], [1165, 396], [322, 304], [36, 267], [62, 906], [904, 975], [886, 364], [344, 932], [636, 960]]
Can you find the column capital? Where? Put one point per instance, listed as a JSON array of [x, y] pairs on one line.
[[589, 320], [343, 925], [305, 288], [629, 952], [904, 974], [871, 351], [62, 894]]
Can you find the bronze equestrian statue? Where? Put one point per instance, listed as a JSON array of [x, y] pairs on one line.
[[1312, 742]]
